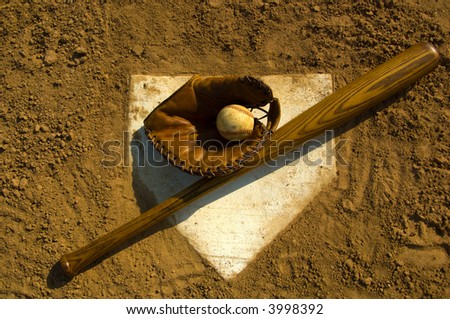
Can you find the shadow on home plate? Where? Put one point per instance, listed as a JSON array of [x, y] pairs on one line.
[[155, 179]]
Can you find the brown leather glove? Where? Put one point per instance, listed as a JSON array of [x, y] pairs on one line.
[[183, 127]]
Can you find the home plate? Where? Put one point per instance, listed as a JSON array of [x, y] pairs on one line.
[[230, 225]]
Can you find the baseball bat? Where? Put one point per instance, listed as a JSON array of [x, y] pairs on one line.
[[343, 105]]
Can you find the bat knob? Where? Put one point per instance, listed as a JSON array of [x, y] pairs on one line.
[[67, 267]]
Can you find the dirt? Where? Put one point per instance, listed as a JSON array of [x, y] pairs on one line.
[[380, 230]]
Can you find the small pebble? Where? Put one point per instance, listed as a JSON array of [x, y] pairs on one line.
[[367, 281], [22, 116], [80, 51], [400, 263], [50, 58], [349, 263], [137, 49], [5, 192], [15, 182], [45, 129], [23, 183], [64, 39], [70, 136]]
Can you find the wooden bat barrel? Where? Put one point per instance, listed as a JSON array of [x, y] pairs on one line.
[[341, 106]]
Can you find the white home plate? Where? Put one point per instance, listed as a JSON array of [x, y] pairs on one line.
[[230, 225]]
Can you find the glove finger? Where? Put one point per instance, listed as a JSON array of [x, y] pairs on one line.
[[224, 90]]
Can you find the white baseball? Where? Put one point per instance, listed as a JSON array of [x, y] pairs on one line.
[[235, 122]]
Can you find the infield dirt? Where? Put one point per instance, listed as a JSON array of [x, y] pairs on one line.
[[380, 230]]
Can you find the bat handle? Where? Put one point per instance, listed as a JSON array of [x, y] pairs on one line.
[[75, 262]]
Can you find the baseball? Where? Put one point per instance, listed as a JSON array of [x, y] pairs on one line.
[[235, 122]]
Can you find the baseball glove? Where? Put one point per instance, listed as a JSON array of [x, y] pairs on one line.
[[183, 127]]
